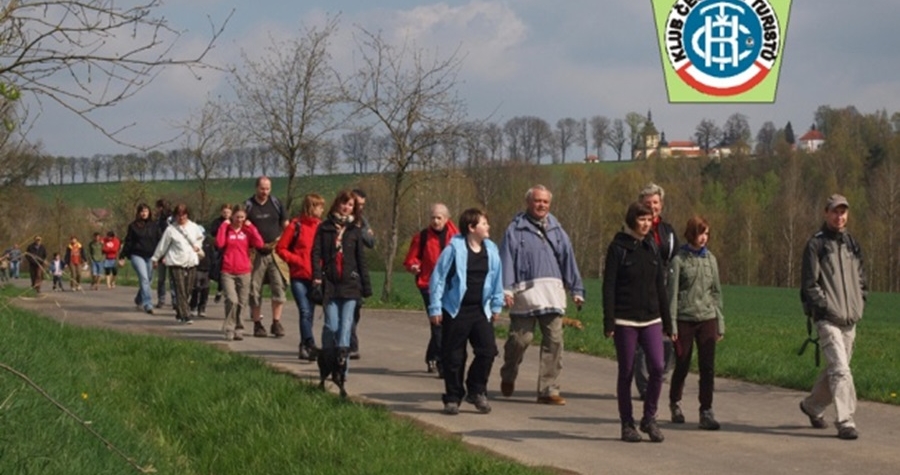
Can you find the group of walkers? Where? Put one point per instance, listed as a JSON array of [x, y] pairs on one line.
[[659, 300]]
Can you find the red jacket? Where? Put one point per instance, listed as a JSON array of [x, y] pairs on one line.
[[299, 255], [235, 246], [429, 254], [111, 247]]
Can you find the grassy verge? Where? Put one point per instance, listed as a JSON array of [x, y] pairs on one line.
[[186, 407]]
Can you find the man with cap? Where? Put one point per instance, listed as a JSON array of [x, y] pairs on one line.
[[833, 292]]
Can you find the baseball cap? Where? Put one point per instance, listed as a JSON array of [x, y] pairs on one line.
[[836, 200]]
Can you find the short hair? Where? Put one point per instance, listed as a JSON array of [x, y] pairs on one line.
[[163, 204], [260, 180], [310, 201], [359, 192], [470, 217], [530, 192], [695, 226], [652, 189], [224, 206], [181, 209], [635, 211], [96, 235], [239, 208], [342, 197], [442, 209], [109, 233]]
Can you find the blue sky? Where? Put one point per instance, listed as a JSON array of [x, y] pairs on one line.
[[572, 58]]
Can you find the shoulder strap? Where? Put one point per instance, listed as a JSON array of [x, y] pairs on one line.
[[296, 235], [423, 238]]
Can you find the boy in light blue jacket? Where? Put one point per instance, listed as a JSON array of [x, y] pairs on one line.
[[466, 294]]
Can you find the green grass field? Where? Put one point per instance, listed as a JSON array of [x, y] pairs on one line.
[[183, 407]]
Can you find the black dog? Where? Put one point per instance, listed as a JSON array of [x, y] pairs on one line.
[[333, 362]]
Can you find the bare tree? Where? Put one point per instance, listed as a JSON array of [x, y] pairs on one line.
[[736, 131], [84, 167], [85, 42], [493, 139], [566, 135], [616, 138], [289, 96], [357, 147], [707, 134], [600, 135], [329, 156], [766, 139], [581, 136], [207, 138], [412, 99]]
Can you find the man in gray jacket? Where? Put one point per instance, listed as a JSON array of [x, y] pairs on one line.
[[538, 268], [833, 291]]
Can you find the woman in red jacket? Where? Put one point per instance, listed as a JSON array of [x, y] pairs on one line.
[[235, 237], [295, 248]]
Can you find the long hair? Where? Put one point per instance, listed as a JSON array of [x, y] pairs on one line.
[[342, 197]]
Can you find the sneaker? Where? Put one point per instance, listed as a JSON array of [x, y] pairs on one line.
[[277, 330], [432, 366], [238, 336], [708, 420], [629, 433], [229, 335], [303, 353], [218, 297], [451, 408], [188, 321], [149, 310], [677, 415], [160, 304], [480, 401], [649, 427], [259, 330], [553, 400], [507, 388], [848, 433], [354, 355], [817, 422]]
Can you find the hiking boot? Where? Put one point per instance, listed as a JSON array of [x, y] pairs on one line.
[[259, 330], [817, 422], [229, 335], [303, 353], [277, 330], [451, 408], [649, 427], [507, 388], [160, 304], [848, 433], [677, 415], [239, 326], [354, 355], [552, 400], [629, 433], [708, 420], [432, 366], [480, 401], [218, 297], [313, 352]]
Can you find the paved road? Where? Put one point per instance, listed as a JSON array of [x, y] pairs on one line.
[[762, 429]]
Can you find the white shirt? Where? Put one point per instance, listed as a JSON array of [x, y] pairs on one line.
[[178, 243]]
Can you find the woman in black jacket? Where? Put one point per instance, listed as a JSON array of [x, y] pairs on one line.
[[339, 265], [636, 312], [140, 242]]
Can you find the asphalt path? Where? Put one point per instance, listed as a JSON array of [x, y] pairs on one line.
[[762, 431]]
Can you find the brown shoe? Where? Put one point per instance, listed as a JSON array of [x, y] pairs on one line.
[[259, 330], [553, 400], [277, 330], [507, 388]]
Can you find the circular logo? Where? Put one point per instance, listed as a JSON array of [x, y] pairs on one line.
[[722, 47]]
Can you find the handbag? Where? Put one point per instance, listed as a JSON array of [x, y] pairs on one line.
[[316, 294]]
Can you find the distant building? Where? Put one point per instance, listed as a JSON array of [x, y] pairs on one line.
[[591, 159], [656, 145], [812, 140]]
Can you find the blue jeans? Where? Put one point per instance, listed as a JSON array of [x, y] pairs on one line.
[[300, 289], [14, 269], [144, 269], [338, 322]]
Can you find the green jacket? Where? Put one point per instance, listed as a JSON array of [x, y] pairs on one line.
[[695, 294]]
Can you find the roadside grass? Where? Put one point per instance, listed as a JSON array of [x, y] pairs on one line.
[[185, 407]]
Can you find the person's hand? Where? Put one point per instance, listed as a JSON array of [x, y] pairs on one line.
[[579, 301], [610, 334], [155, 264], [435, 320], [508, 300], [317, 282], [720, 337], [673, 337], [415, 268]]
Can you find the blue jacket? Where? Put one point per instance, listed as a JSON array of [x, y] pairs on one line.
[[446, 292], [537, 273]]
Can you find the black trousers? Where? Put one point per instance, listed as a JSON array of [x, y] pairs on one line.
[[472, 327], [433, 351]]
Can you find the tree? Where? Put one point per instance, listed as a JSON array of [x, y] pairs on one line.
[[566, 135], [635, 124], [766, 139], [90, 43], [736, 132], [289, 98], [357, 147], [208, 137], [707, 134], [600, 135], [412, 99], [616, 138], [789, 134]]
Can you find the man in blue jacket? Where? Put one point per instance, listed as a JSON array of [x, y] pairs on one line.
[[538, 269]]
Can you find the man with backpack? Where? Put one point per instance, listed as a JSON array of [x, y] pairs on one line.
[[424, 250], [268, 215], [833, 292]]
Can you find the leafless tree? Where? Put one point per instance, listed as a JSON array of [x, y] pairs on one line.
[[707, 134], [208, 137], [289, 97], [600, 134], [493, 140], [357, 147], [107, 52], [84, 167], [616, 138], [411, 97], [566, 133], [766, 139], [736, 132]]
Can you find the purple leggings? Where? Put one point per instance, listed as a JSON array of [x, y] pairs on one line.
[[650, 339]]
